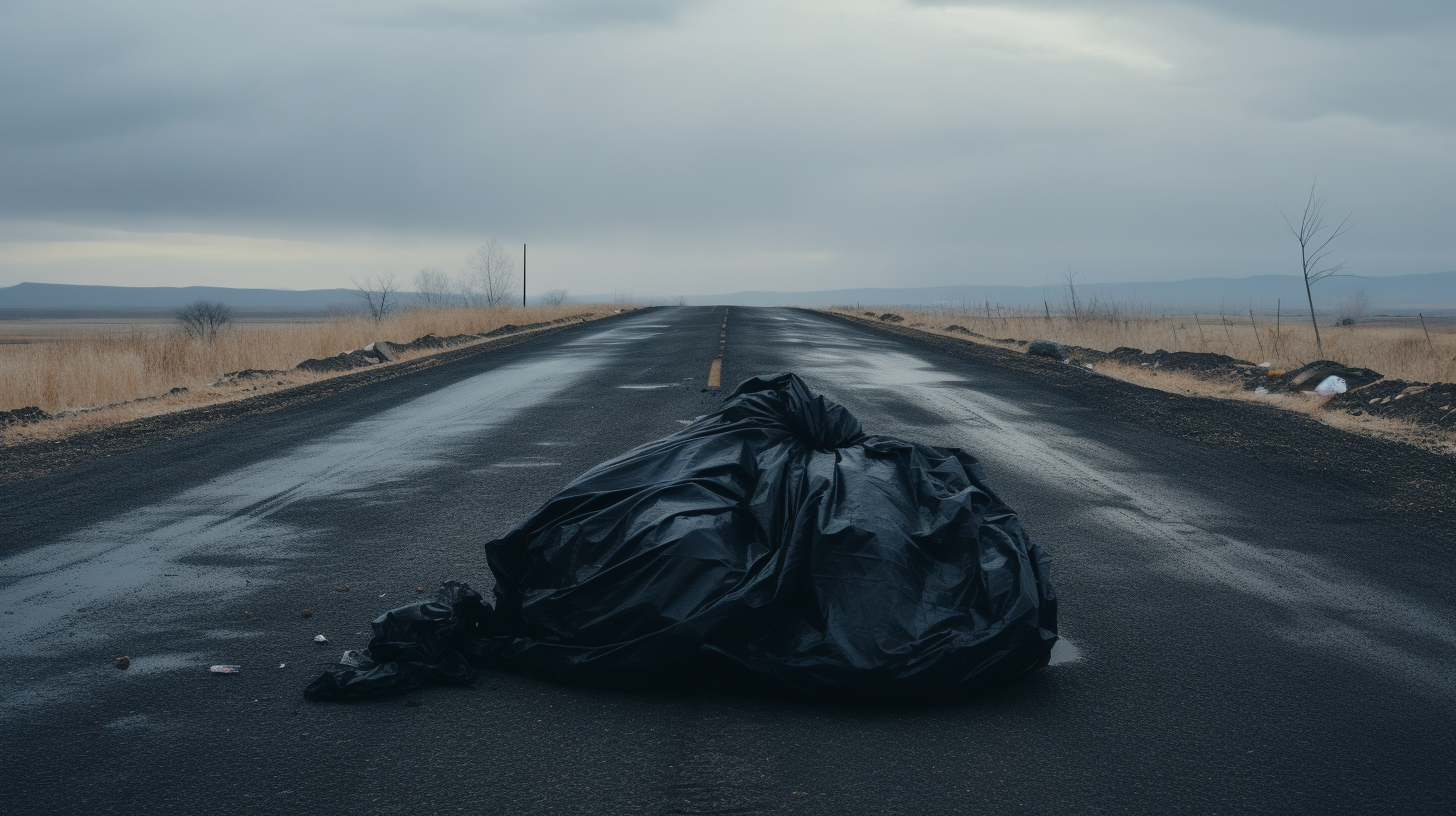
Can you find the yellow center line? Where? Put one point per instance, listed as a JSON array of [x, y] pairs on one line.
[[715, 372]]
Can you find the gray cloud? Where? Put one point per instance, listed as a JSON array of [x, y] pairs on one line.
[[1356, 17], [671, 143], [536, 16]]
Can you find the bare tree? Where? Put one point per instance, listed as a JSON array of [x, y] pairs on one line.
[[433, 287], [204, 319], [1314, 237], [379, 293], [490, 275], [552, 297]]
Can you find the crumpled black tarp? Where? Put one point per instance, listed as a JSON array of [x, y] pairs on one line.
[[771, 543]]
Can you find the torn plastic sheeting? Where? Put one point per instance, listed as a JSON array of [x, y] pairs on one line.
[[1331, 386], [771, 543]]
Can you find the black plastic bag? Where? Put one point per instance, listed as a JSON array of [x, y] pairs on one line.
[[771, 543]]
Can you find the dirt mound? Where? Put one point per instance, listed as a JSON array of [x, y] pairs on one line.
[[1422, 403], [345, 361], [429, 341], [890, 317], [22, 416]]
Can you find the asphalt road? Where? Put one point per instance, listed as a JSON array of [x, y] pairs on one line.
[[1251, 624]]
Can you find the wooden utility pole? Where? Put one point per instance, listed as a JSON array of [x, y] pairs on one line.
[[523, 276]]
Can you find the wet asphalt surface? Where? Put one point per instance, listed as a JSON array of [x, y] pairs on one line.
[[1245, 631]]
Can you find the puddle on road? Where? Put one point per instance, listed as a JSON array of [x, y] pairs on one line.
[[1326, 608], [219, 538]]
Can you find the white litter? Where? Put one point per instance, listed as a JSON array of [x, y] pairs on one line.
[[320, 639], [1261, 391], [1331, 386]]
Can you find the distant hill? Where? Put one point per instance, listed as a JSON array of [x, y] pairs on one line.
[[1433, 293], [61, 298]]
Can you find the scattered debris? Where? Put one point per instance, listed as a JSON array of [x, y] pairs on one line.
[[419, 589], [123, 662], [226, 669], [305, 613], [247, 614], [1331, 386], [320, 639], [282, 665], [342, 588], [1310, 377]]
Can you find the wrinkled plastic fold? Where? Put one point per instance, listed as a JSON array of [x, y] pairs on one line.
[[769, 544]]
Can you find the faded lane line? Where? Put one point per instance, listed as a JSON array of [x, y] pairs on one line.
[[715, 372]]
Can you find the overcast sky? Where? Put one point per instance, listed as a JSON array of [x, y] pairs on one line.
[[666, 147]]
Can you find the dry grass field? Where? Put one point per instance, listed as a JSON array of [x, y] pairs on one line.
[[63, 365], [1396, 347]]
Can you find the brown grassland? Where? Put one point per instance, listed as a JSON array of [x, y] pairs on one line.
[[131, 366], [1396, 347]]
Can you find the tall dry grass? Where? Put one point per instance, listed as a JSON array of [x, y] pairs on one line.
[[91, 367], [1395, 347]]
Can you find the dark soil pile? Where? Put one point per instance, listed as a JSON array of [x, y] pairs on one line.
[[1421, 403], [345, 361], [22, 416]]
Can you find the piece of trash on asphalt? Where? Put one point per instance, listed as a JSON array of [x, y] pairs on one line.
[[341, 588], [305, 613], [382, 594], [320, 639], [123, 661], [1331, 386], [419, 589], [1261, 391], [282, 665], [353, 658], [247, 614], [226, 669]]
